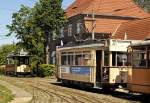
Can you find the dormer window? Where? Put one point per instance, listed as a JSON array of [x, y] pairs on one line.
[[70, 30]]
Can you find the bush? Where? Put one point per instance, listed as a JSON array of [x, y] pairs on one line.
[[46, 70], [34, 64], [34, 67]]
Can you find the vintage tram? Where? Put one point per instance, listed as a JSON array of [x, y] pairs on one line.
[[139, 72], [18, 63], [99, 65]]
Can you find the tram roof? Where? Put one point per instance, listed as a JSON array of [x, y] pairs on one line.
[[17, 55], [21, 53], [143, 43], [82, 46]]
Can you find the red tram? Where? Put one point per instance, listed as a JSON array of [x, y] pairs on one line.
[[139, 72]]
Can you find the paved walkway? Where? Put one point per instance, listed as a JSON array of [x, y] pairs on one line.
[[21, 96]]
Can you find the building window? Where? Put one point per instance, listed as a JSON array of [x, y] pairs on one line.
[[62, 32], [53, 57], [70, 30], [78, 28]]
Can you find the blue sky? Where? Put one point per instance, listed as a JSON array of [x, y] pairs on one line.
[[7, 7]]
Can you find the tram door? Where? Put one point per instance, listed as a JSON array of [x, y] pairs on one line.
[[98, 65]]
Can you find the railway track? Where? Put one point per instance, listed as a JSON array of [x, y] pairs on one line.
[[45, 92], [51, 96], [65, 95], [74, 94]]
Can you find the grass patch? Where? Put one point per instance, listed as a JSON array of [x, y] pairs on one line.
[[5, 95]]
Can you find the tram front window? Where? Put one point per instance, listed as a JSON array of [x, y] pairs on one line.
[[119, 59], [139, 58], [24, 61]]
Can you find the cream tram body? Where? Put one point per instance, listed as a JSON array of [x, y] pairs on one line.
[[18, 64], [98, 65]]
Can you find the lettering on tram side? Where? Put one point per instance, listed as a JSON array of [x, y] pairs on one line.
[[80, 70], [65, 69]]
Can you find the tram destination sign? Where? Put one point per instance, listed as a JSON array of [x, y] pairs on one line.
[[119, 45]]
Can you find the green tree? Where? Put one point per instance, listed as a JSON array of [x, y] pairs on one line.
[[35, 26], [145, 4], [4, 51]]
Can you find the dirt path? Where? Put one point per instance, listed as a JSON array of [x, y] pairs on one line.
[[49, 91], [21, 96]]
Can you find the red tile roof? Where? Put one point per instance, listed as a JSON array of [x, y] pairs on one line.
[[106, 7], [148, 37], [134, 30], [104, 25]]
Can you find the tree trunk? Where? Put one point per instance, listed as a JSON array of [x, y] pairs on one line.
[[44, 56], [46, 48], [47, 54]]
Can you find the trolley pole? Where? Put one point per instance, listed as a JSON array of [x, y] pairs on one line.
[[93, 25]]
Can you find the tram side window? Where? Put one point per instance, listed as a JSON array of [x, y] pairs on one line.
[[86, 58], [139, 59], [10, 61], [114, 58], [78, 59], [106, 58], [70, 59], [149, 58], [82, 58], [129, 59], [63, 60]]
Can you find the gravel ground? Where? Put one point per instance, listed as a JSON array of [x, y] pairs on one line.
[[46, 90]]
